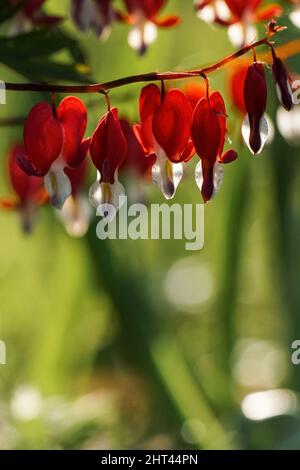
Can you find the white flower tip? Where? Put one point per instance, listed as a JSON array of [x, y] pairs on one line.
[[263, 132], [218, 176], [107, 198], [58, 185], [167, 176], [141, 37]]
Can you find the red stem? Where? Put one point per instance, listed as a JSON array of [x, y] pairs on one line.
[[147, 77]]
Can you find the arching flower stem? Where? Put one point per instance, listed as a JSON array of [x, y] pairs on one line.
[[147, 77]]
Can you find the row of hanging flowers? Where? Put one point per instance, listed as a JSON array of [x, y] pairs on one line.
[[175, 125]]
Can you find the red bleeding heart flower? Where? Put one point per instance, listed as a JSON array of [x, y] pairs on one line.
[[194, 91], [255, 128], [236, 87], [76, 212], [208, 134], [136, 162], [238, 15], [108, 151], [93, 14], [53, 141], [29, 190], [142, 15], [30, 14], [164, 131], [283, 82]]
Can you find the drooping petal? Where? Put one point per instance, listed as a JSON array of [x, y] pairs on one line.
[[194, 91], [172, 124], [217, 105], [209, 178], [167, 21], [255, 133], [76, 215], [136, 161], [240, 7], [237, 81], [43, 138], [102, 195], [206, 131], [148, 7], [229, 156], [72, 115], [108, 146], [150, 100], [283, 84], [255, 128], [188, 152], [82, 152], [26, 187], [167, 175], [140, 37], [77, 176], [269, 12], [58, 185]]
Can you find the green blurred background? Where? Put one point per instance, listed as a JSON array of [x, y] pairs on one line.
[[141, 344]]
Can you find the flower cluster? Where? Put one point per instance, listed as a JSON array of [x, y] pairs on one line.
[[29, 15], [240, 16], [143, 17], [174, 125]]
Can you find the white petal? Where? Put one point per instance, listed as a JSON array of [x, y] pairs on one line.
[[76, 215], [58, 185], [222, 10], [279, 93], [150, 33], [263, 129], [207, 14], [135, 38], [240, 34], [288, 123], [167, 175], [104, 195], [218, 177], [295, 17], [142, 35], [271, 133]]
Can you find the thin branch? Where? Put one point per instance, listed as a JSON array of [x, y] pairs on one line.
[[147, 77], [12, 121]]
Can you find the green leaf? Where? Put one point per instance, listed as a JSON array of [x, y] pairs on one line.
[[29, 54], [7, 11], [38, 44], [45, 70]]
